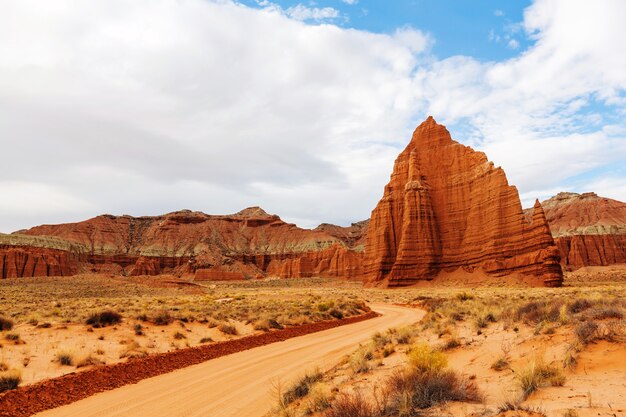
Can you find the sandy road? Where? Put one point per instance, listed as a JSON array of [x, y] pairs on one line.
[[240, 384]]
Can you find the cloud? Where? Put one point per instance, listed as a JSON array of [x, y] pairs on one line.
[[301, 12], [122, 111], [498, 13], [214, 106], [512, 44], [541, 114], [350, 2]]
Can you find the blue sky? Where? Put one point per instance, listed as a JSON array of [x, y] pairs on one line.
[[480, 28], [152, 106]]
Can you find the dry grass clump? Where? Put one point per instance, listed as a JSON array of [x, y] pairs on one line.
[[267, 324], [587, 332], [65, 358], [88, 360], [104, 318], [14, 337], [227, 328], [360, 359], [162, 318], [10, 379], [133, 351], [5, 324], [351, 405], [501, 363], [319, 398], [412, 389], [424, 383], [301, 387], [179, 336], [425, 359], [539, 374]]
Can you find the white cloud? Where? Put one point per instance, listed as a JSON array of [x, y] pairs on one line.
[[512, 44], [498, 13], [124, 110], [213, 106], [301, 12], [350, 2]]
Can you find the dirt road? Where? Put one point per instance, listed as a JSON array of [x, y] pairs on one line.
[[240, 384]]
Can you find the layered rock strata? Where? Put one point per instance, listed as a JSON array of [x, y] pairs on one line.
[[589, 230], [248, 244], [447, 207]]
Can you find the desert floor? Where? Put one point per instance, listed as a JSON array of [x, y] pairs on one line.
[[479, 350]]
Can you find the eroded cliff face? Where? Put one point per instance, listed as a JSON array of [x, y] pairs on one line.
[[589, 230], [447, 207], [249, 244]]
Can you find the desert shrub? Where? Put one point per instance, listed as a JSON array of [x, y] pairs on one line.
[[262, 325], [138, 329], [603, 313], [587, 331], [579, 305], [206, 340], [5, 324], [570, 413], [424, 359], [538, 374], [500, 364], [104, 318], [10, 380], [359, 360], [481, 322], [464, 296], [414, 388], [405, 335], [268, 324], [379, 339], [450, 344], [325, 306], [179, 336], [133, 351], [4, 366], [351, 405], [319, 398], [65, 358], [336, 314], [163, 318], [88, 360], [13, 337], [301, 387], [228, 329], [538, 311]]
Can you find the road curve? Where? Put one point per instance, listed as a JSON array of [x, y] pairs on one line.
[[240, 384]]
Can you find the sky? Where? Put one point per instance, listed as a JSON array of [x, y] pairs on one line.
[[152, 106]]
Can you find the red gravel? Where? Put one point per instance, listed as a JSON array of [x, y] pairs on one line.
[[31, 399]]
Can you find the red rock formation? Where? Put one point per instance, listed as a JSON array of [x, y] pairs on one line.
[[17, 262], [334, 262], [447, 207], [589, 230], [251, 242]]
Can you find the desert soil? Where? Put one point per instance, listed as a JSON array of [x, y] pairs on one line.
[[242, 384]]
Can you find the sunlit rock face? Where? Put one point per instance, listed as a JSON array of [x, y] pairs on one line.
[[447, 207]]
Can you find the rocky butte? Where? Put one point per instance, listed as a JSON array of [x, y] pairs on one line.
[[447, 207], [589, 230]]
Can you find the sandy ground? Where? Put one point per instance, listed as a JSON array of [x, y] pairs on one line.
[[242, 384]]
